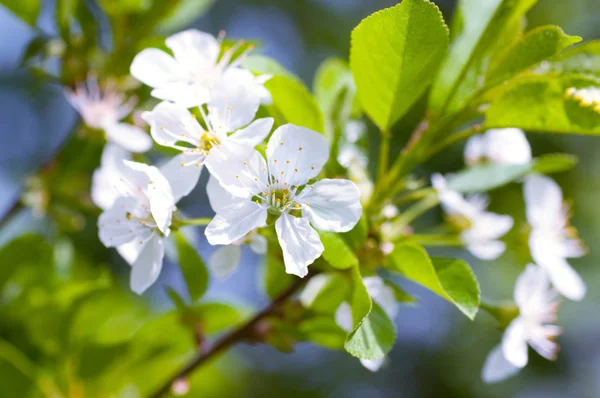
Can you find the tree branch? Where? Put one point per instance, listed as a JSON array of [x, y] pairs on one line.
[[243, 332]]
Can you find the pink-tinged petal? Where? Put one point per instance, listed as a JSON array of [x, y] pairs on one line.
[[300, 243]]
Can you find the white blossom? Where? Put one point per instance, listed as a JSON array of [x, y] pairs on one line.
[[498, 146], [551, 240], [537, 305], [140, 218], [588, 97], [105, 180], [280, 186], [480, 229], [381, 294], [187, 77], [104, 109]]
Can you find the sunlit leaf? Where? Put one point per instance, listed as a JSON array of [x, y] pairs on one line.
[[192, 266], [337, 252], [375, 336]]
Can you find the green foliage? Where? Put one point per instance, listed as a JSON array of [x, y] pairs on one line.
[[337, 252], [451, 279], [357, 236], [582, 59], [275, 279], [261, 64], [27, 10], [23, 252], [192, 266], [537, 45], [333, 80], [360, 301], [293, 103], [184, 14], [541, 104], [395, 53], [214, 317], [335, 290], [490, 176], [482, 24], [374, 337], [323, 330]]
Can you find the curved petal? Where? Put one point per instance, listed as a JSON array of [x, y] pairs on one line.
[[116, 226], [128, 136], [233, 104], [194, 49], [474, 150], [533, 282], [258, 244], [507, 146], [236, 223], [300, 243], [565, 279], [130, 251], [184, 92], [145, 270], [182, 179], [497, 368], [219, 198], [155, 68], [296, 154], [331, 204], [255, 133], [373, 364], [485, 250], [514, 343], [172, 123], [225, 260], [343, 317], [543, 202], [104, 191]]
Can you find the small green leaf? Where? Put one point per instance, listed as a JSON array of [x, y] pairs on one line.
[[394, 56], [293, 102], [275, 279], [536, 46], [361, 302], [400, 294], [324, 331], [192, 266], [333, 84], [451, 279], [27, 10], [261, 64], [542, 104], [215, 317], [25, 251], [581, 59], [337, 252], [554, 163], [333, 289], [186, 12], [375, 336], [357, 236]]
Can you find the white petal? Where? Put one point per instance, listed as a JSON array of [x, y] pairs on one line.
[[146, 268], [155, 68], [236, 223], [531, 283], [565, 279], [225, 260], [373, 364], [128, 136], [130, 251], [255, 83], [258, 244], [255, 133], [220, 199], [386, 299], [306, 150], [543, 201], [233, 104], [514, 344], [474, 150], [300, 243], [486, 250], [116, 228], [182, 179], [343, 317], [331, 204], [104, 180], [313, 288], [184, 92], [172, 123], [497, 368], [507, 146], [194, 49]]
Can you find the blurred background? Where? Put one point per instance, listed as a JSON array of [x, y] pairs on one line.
[[438, 352]]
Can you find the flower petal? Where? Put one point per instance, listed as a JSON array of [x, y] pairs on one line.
[[146, 268], [331, 204], [235, 223], [182, 179], [533, 282], [497, 368], [507, 146], [130, 251], [373, 364], [155, 68], [474, 150], [184, 92], [233, 104], [565, 279], [116, 226], [225, 260], [300, 243], [219, 198], [258, 244], [382, 294], [543, 202], [343, 317], [104, 180], [306, 150], [194, 49], [171, 123], [486, 250], [514, 343], [255, 133], [128, 136]]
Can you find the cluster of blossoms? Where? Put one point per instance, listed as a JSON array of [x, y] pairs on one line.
[[207, 114]]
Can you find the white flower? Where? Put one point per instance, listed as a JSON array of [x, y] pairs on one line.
[[551, 240], [537, 305], [225, 260], [350, 152], [188, 76], [139, 219], [588, 97], [280, 186], [480, 229], [381, 294], [232, 106], [498, 146], [104, 109], [105, 180]]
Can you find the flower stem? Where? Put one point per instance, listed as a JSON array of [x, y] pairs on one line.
[[382, 166], [436, 240], [195, 221], [415, 211]]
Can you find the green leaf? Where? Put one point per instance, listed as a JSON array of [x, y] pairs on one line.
[[400, 294], [334, 84], [65, 11], [489, 176], [293, 102], [374, 338], [325, 292], [581, 59], [542, 104], [451, 279], [215, 317], [27, 10], [394, 56], [361, 302], [324, 331], [25, 251], [536, 46], [337, 252], [357, 236], [186, 12], [275, 279], [484, 24], [261, 64], [192, 266]]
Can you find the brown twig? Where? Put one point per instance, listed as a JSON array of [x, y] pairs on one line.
[[242, 333]]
